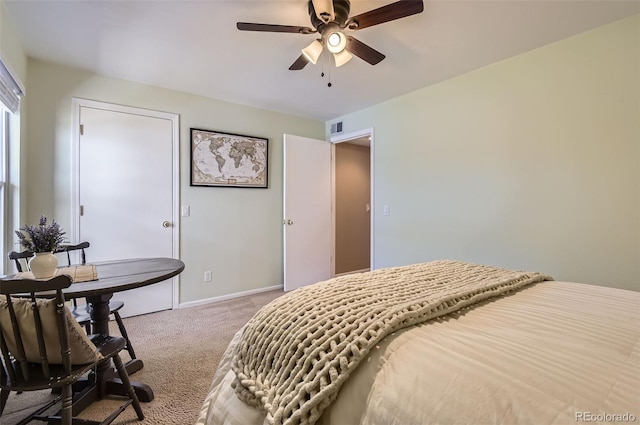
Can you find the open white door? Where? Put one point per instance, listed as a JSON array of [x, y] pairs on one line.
[[307, 211]]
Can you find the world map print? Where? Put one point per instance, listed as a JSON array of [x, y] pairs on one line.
[[222, 159]]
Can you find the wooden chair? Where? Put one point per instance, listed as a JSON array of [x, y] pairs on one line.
[[43, 347], [114, 305], [80, 313]]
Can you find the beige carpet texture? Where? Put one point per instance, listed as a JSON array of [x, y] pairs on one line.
[[180, 349]]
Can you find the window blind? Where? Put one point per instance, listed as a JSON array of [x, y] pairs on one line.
[[10, 89]]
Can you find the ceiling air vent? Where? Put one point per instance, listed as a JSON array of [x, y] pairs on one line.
[[336, 127]]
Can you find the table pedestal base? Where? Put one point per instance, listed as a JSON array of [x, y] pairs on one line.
[[105, 382], [143, 391]]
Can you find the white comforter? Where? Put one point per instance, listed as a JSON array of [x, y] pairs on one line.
[[553, 353]]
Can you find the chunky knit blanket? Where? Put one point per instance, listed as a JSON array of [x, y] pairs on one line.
[[297, 351]]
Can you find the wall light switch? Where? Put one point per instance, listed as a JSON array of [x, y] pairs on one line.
[[385, 210], [186, 210], [207, 276]]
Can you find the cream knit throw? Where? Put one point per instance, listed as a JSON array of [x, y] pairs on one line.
[[297, 351]]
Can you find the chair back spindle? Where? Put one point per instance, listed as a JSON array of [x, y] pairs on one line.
[[65, 348], [42, 349], [6, 358], [19, 353]]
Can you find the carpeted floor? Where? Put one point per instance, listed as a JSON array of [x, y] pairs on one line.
[[180, 350]]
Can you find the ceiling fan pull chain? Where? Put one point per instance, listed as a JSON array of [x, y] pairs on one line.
[[327, 58]]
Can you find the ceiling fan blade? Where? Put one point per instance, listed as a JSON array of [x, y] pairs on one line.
[[364, 52], [300, 63], [390, 12], [249, 26]]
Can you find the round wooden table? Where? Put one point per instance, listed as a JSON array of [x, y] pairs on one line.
[[117, 276]]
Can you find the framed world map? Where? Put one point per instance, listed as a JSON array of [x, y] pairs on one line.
[[228, 160]]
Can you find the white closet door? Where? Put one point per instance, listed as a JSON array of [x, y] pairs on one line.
[[126, 195]]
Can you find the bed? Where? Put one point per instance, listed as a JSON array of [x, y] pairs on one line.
[[536, 352]]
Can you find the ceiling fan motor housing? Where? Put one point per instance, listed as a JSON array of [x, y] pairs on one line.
[[341, 10]]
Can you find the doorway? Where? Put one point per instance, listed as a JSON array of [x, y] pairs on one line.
[[352, 206], [309, 213]]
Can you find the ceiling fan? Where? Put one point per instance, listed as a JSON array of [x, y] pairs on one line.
[[329, 19]]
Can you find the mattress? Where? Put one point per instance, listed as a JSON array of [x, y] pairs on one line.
[[551, 353]]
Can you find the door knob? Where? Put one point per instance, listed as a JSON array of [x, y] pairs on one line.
[[289, 222], [166, 224]]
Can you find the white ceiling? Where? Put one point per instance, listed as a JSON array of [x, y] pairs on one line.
[[194, 46]]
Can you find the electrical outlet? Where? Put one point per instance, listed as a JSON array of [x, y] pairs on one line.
[[207, 276]]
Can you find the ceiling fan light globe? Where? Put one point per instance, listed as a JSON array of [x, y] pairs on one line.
[[342, 58], [312, 51], [336, 42], [334, 39]]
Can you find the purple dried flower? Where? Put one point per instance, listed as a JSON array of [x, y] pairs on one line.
[[42, 238]]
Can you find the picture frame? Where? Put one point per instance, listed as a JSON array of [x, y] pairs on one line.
[[220, 159]]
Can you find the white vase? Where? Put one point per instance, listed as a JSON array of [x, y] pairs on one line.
[[43, 265]]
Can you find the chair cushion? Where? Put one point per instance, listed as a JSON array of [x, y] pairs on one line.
[[82, 349]]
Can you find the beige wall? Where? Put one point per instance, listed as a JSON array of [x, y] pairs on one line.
[[353, 194], [13, 55], [10, 46], [532, 163], [236, 233]]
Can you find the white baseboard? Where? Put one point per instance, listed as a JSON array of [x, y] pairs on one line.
[[228, 297]]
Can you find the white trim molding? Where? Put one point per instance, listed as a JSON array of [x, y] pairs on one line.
[[206, 301]]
